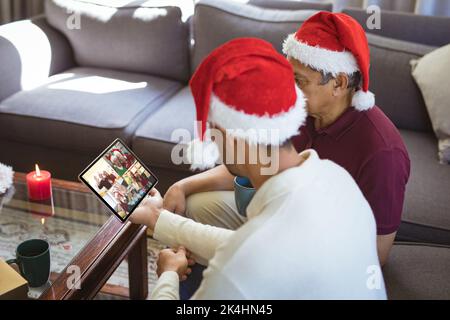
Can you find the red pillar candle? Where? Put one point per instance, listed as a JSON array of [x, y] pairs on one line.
[[39, 185]]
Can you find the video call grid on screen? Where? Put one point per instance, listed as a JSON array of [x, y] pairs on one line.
[[119, 179]]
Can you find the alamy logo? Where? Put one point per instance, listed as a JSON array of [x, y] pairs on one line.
[[73, 281], [375, 279], [74, 20], [374, 21]]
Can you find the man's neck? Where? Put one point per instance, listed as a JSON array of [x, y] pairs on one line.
[[288, 158], [327, 118]]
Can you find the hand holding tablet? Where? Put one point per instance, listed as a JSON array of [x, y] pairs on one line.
[[119, 179], [149, 210]]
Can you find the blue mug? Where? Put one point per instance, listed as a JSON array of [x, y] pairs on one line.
[[243, 194]]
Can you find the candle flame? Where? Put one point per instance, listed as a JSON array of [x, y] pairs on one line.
[[43, 221], [38, 172]]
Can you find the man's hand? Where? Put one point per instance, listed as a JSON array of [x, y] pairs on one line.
[[175, 199], [384, 246], [149, 210], [218, 178], [178, 261]]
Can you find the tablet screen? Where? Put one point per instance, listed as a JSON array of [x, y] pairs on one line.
[[119, 179]]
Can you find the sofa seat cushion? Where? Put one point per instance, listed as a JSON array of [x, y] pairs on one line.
[[427, 202], [156, 132], [417, 271], [83, 109]]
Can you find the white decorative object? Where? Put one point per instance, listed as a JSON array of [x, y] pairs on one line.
[[6, 177]]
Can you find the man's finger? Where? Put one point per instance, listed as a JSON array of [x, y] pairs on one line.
[[154, 192], [168, 207], [165, 251], [182, 250], [178, 210]]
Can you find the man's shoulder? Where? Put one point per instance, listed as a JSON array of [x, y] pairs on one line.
[[383, 144], [378, 132], [327, 173]]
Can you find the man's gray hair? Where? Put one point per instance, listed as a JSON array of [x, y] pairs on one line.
[[354, 79]]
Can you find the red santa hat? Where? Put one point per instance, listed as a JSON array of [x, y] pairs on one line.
[[247, 88], [334, 43], [114, 153]]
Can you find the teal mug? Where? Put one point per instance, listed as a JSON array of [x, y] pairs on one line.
[[33, 260], [243, 194]]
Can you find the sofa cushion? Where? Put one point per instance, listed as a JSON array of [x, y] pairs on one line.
[[83, 109], [417, 271], [394, 87], [156, 132], [427, 202], [428, 73], [217, 21], [124, 35]]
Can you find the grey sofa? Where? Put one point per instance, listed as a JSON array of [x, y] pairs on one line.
[[65, 94]]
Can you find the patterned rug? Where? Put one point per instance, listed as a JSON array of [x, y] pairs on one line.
[[66, 237]]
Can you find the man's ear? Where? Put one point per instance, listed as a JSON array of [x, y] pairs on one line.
[[340, 84]]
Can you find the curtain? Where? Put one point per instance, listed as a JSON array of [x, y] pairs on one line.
[[393, 5], [433, 7], [12, 10], [339, 5]]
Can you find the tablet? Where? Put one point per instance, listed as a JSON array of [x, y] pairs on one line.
[[119, 179]]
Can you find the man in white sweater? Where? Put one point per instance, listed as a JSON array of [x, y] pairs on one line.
[[310, 232]]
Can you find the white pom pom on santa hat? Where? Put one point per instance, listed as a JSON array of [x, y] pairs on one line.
[[202, 155], [363, 101]]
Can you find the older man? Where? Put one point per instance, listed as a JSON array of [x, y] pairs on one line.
[[330, 58], [310, 233]]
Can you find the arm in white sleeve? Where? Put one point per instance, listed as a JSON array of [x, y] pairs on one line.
[[167, 287], [202, 240]]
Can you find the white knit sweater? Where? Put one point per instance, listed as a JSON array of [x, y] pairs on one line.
[[311, 235]]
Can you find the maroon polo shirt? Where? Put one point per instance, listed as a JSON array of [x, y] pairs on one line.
[[370, 148]]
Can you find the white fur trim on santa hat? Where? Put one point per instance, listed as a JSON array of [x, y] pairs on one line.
[[320, 59], [202, 155], [363, 101], [269, 130]]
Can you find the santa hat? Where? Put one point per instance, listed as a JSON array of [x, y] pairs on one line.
[[334, 43], [247, 88], [115, 154]]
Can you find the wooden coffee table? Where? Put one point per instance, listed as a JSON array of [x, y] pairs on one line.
[[83, 236]]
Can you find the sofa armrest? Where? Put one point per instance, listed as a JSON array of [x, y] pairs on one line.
[[31, 51]]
